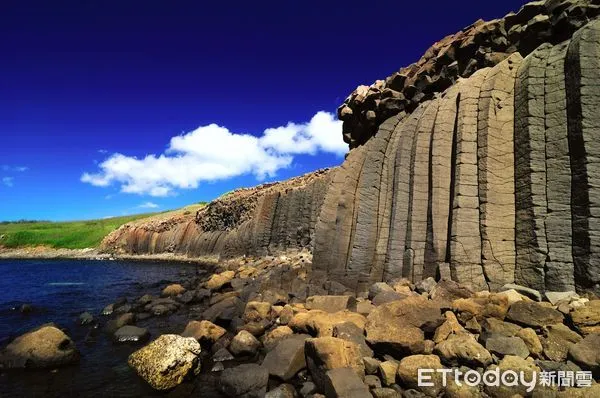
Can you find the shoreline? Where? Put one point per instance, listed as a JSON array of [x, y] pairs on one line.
[[47, 253]]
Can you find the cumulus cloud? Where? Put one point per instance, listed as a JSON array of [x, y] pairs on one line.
[[211, 153], [148, 205], [8, 181]]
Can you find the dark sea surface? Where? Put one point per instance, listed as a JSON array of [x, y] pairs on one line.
[[59, 291]]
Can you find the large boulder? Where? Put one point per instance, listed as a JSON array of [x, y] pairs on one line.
[[463, 350], [408, 371], [399, 327], [344, 383], [287, 358], [244, 343], [326, 353], [44, 347], [502, 345], [247, 380], [532, 314], [586, 353], [257, 311], [173, 290], [167, 361], [331, 303], [558, 339], [217, 281], [587, 318], [321, 323], [514, 364], [203, 331]]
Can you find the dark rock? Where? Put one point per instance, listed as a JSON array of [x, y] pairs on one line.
[[331, 303], [287, 358], [282, 391], [222, 355], [131, 334], [386, 297], [502, 345], [349, 331], [344, 383], [114, 324], [86, 318], [247, 380], [533, 314], [244, 343], [586, 353]]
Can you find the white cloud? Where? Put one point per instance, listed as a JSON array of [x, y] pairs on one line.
[[8, 181], [102, 151], [19, 169], [212, 153], [148, 205]]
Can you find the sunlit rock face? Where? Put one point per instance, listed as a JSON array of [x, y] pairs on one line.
[[484, 171]]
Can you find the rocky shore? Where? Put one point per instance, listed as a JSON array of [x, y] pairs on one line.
[[261, 327]]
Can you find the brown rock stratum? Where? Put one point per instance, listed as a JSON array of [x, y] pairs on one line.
[[484, 171]]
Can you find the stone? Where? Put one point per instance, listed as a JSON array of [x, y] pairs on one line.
[[462, 350], [425, 285], [387, 372], [287, 358], [247, 380], [172, 290], [86, 318], [308, 389], [371, 365], [502, 345], [344, 383], [493, 305], [386, 297], [331, 303], [272, 338], [167, 361], [282, 391], [586, 352], [321, 323], [385, 393], [327, 353], [398, 327], [532, 341], [533, 315], [244, 343], [587, 318], [449, 327], [526, 291], [515, 364], [493, 326], [44, 347], [408, 370], [558, 339], [256, 311], [349, 331], [203, 331], [217, 281], [115, 324], [378, 288], [286, 314], [446, 291], [131, 334], [555, 297], [225, 310], [222, 355], [364, 307], [512, 296]]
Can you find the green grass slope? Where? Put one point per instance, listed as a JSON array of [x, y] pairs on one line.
[[67, 235]]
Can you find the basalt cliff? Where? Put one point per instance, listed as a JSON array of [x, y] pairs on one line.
[[478, 163]]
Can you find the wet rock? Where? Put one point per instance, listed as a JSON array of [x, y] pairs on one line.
[[308, 389], [123, 309], [287, 358], [247, 380], [331, 303], [244, 343], [502, 345], [408, 369], [44, 347], [327, 353], [203, 331], [217, 281], [586, 352], [344, 383], [114, 324], [172, 290], [282, 391], [167, 361], [463, 350], [533, 315], [108, 310], [131, 334], [86, 319], [188, 297]]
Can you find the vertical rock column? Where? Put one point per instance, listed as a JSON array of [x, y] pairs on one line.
[[496, 172], [465, 241], [559, 274], [582, 74], [530, 170]]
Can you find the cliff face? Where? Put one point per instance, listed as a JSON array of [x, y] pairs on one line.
[[256, 221], [479, 163]]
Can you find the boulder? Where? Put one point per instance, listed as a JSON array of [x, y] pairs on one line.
[[115, 324], [351, 332], [425, 285], [532, 341], [172, 290], [385, 392], [526, 291], [331, 303], [203, 331], [225, 310], [256, 311], [244, 343], [587, 318], [282, 391], [327, 353], [446, 291], [492, 326], [532, 314], [387, 372], [247, 380], [386, 297], [462, 350], [378, 288], [448, 328], [217, 281], [44, 347], [555, 297], [273, 337], [489, 306], [408, 372], [558, 339], [287, 358], [502, 345], [86, 318], [515, 364], [222, 355], [344, 383], [131, 334], [167, 361], [371, 365], [398, 327], [586, 352], [321, 323]]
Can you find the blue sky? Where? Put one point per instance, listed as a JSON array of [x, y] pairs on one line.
[[119, 107]]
